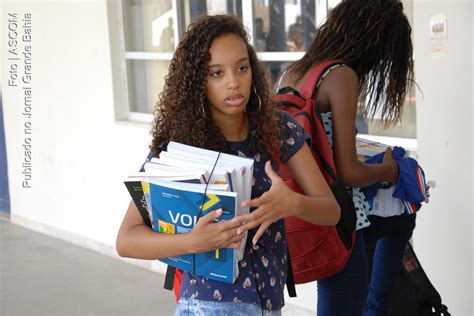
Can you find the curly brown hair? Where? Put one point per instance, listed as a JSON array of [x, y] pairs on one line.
[[373, 37], [182, 112]]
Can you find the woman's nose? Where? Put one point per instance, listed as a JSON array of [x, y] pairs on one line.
[[233, 82]]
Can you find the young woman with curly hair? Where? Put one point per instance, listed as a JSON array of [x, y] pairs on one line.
[[371, 39], [216, 97]]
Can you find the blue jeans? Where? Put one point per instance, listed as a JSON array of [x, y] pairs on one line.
[[345, 292], [385, 241], [194, 307]]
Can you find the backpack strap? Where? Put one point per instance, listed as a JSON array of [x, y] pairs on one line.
[[307, 89], [290, 90], [290, 278], [327, 167], [169, 278]]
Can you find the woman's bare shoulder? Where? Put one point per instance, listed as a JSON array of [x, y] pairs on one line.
[[341, 75]]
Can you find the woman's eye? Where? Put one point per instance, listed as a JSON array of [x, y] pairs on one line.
[[243, 68], [216, 73]]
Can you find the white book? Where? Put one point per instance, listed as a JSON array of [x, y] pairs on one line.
[[162, 169], [367, 148], [155, 164], [219, 175], [232, 169], [247, 164], [385, 205]]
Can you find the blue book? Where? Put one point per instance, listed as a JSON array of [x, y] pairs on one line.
[[219, 264], [141, 197], [175, 209]]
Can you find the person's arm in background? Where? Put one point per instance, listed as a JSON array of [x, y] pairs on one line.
[[340, 89]]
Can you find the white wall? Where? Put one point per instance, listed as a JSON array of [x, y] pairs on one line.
[[80, 155], [443, 237]]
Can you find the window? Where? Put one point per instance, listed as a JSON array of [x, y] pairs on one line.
[[281, 31], [151, 30]]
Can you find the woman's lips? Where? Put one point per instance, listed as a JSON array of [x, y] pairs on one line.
[[234, 100]]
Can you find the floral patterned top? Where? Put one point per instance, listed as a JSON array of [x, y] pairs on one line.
[[263, 269]]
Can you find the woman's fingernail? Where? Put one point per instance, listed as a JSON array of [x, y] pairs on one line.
[[219, 211], [239, 231]]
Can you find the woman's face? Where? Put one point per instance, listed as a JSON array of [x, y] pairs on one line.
[[229, 78]]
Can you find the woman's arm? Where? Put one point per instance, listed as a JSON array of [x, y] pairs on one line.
[[340, 89], [136, 240], [317, 205]]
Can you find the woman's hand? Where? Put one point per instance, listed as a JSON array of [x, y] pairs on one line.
[[394, 170], [270, 206], [208, 235]]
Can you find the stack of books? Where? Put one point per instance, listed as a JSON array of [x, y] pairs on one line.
[[182, 185]]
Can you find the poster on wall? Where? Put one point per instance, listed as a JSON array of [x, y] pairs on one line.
[[439, 35]]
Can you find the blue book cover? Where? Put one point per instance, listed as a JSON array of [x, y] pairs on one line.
[[167, 218], [175, 210], [219, 264]]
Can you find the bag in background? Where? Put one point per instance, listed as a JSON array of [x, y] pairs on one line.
[[413, 293]]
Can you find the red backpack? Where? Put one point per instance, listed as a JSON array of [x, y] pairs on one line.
[[316, 252]]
